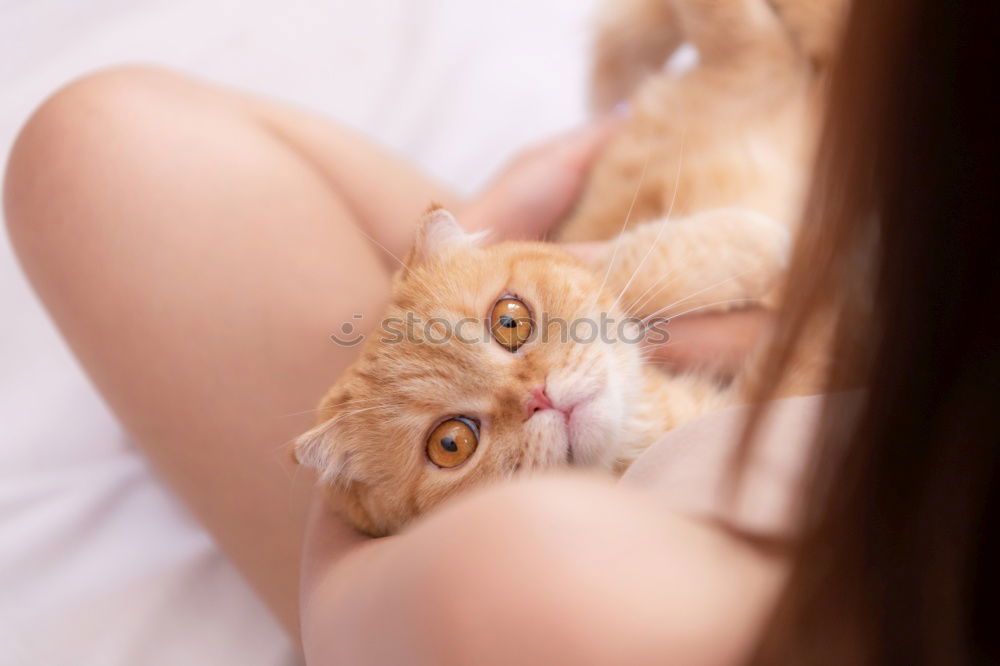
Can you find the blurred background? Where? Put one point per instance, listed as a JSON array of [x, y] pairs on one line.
[[98, 565]]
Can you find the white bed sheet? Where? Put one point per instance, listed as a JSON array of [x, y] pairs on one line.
[[98, 565]]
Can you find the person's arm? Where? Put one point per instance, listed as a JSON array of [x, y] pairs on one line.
[[547, 571]]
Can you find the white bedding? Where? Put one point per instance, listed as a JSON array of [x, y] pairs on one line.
[[98, 565]]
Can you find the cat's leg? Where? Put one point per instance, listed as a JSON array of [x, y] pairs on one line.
[[735, 33], [634, 40], [713, 261]]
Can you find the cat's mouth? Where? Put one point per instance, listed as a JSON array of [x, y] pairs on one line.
[[577, 421], [575, 429], [572, 430]]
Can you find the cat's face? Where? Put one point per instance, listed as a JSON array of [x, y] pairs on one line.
[[438, 405]]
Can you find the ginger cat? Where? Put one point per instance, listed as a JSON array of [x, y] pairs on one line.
[[490, 379]]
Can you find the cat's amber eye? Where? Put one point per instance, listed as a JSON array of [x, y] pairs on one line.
[[451, 443], [510, 323]]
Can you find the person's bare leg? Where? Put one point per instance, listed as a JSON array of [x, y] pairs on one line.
[[384, 195], [197, 248]]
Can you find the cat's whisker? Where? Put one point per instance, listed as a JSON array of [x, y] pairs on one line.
[[402, 263], [646, 353], [357, 401], [696, 293], [340, 415], [292, 486], [384, 248], [621, 233], [294, 414], [326, 425], [649, 294], [729, 301], [322, 429], [284, 446], [316, 409], [590, 366], [663, 224], [669, 274], [391, 254], [639, 307]]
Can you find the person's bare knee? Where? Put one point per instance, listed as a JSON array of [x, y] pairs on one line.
[[69, 139]]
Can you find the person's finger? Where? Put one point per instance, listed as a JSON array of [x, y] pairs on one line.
[[718, 342], [589, 252], [583, 144]]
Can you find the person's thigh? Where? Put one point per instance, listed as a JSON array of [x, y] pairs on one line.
[[197, 258]]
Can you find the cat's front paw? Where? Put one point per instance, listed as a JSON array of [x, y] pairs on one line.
[[713, 261]]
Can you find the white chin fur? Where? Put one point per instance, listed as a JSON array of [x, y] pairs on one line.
[[586, 433], [593, 433]]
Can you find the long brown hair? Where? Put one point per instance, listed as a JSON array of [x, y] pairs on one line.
[[897, 556]]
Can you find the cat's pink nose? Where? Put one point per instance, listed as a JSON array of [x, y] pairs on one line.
[[539, 401]]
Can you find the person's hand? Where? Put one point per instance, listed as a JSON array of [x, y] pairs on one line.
[[717, 342], [540, 185]]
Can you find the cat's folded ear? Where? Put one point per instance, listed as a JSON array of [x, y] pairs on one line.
[[439, 233], [321, 449]]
